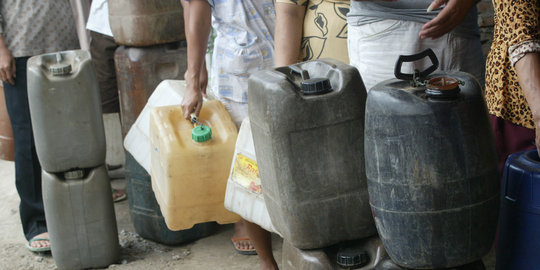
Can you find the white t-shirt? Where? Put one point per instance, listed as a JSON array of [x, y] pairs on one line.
[[98, 20]]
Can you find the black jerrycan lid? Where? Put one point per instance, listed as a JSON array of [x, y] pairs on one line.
[[351, 257], [312, 86]]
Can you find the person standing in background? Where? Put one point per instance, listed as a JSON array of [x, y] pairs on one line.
[[102, 48], [381, 31], [243, 44], [307, 30], [513, 77], [30, 28]]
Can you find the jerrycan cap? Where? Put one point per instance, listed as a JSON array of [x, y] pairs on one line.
[[316, 86], [352, 257], [60, 69], [201, 133], [442, 87]]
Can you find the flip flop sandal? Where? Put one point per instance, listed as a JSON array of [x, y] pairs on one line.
[[120, 198], [234, 241], [38, 249]]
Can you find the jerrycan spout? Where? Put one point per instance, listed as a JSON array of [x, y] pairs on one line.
[[312, 86]]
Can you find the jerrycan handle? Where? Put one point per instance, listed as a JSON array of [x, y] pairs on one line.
[[312, 86], [304, 73], [415, 57]]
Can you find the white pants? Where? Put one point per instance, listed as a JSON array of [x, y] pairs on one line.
[[374, 49]]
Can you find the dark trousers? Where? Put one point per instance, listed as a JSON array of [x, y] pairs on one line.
[[27, 167], [102, 49], [510, 138]]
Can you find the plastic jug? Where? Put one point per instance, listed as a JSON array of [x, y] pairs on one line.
[[308, 135], [140, 70], [65, 108], [190, 165], [519, 221], [6, 134], [243, 195], [80, 218], [365, 254], [137, 140], [145, 214], [431, 167], [146, 22]]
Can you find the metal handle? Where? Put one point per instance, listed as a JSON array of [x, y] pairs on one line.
[[412, 58]]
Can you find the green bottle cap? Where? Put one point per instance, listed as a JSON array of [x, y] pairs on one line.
[[201, 133]]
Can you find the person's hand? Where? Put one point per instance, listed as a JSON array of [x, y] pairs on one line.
[[192, 101], [7, 66], [449, 17]]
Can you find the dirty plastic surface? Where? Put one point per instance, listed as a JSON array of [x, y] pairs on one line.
[[146, 22], [432, 173], [326, 258], [66, 112], [145, 214], [81, 220], [189, 178], [140, 70], [244, 193], [310, 152]]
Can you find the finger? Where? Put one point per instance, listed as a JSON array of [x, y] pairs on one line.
[[436, 4], [203, 88], [6, 76], [198, 108], [187, 111]]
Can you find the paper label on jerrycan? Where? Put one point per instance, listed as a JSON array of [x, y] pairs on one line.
[[246, 173]]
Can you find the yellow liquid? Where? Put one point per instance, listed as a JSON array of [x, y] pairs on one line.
[[189, 178]]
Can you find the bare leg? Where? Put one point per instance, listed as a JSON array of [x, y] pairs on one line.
[[262, 241]]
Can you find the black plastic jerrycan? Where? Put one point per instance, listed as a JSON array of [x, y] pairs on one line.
[[308, 138], [431, 167]]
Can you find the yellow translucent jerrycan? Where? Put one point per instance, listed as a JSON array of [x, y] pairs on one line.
[[190, 164]]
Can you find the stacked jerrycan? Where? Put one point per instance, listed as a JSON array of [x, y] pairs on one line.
[[366, 254], [243, 195], [519, 221], [139, 70], [190, 164], [308, 135], [154, 49], [6, 134], [144, 209], [70, 143], [431, 167], [146, 22]]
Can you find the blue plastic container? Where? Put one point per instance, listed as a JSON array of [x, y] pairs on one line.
[[145, 214], [518, 246]]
